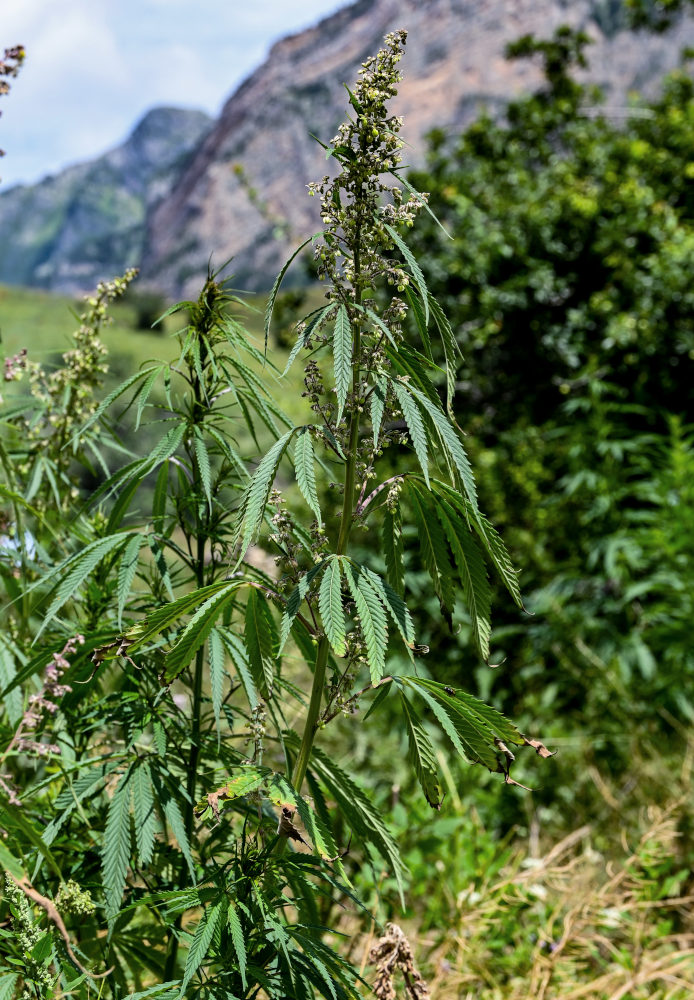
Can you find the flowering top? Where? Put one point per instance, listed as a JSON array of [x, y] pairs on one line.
[[355, 240]]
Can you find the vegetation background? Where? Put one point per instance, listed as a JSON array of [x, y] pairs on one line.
[[571, 296]]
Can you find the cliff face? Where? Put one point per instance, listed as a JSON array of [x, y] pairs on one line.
[[88, 222], [453, 65], [171, 196]]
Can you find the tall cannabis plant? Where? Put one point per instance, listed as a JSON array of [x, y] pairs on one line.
[[215, 830]]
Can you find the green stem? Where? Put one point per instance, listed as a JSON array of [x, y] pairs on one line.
[[202, 528], [346, 521]]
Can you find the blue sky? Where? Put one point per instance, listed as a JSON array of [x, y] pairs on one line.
[[94, 66]]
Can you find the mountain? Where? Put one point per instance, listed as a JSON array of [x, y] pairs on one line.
[[88, 222], [241, 190], [453, 65]]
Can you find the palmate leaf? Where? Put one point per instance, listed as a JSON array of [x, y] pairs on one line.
[[471, 573], [484, 733], [471, 742], [372, 619], [113, 396], [342, 359], [422, 755], [254, 500], [304, 459], [115, 852], [165, 616], [262, 642], [415, 425], [198, 629], [202, 939], [330, 607]]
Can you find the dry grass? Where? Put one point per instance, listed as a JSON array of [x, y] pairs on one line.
[[571, 926]]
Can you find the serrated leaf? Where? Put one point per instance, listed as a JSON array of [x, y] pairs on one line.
[[7, 984], [393, 551], [201, 942], [115, 852], [143, 812], [294, 602], [342, 359], [203, 464], [378, 402], [126, 573], [198, 628], [357, 810], [414, 267], [330, 607], [489, 537], [276, 287], [174, 818], [451, 351], [239, 657], [433, 548], [394, 604], [305, 473], [217, 674], [237, 939], [261, 642], [74, 571], [372, 618], [144, 392], [254, 500], [415, 425], [315, 321], [452, 444], [471, 572], [157, 621], [418, 313], [470, 744], [422, 755], [111, 398]]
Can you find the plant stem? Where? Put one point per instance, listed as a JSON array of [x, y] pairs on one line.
[[346, 521]]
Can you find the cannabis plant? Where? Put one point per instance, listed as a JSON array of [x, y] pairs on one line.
[[182, 787]]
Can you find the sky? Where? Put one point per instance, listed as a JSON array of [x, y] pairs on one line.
[[93, 68]]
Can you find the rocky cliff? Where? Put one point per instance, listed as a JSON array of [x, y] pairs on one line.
[[454, 64], [72, 228], [88, 222]]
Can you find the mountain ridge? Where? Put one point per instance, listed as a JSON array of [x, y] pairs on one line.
[[454, 65]]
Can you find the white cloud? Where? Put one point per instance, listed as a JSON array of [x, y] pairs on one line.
[[95, 66]]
